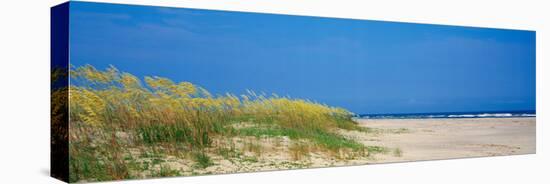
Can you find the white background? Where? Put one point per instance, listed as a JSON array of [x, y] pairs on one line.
[[24, 90]]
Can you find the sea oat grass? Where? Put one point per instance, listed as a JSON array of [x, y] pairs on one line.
[[111, 111]]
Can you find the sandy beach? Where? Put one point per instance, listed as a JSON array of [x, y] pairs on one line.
[[403, 139], [432, 139], [400, 140]]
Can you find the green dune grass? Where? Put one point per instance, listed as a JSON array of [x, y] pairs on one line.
[[112, 112]]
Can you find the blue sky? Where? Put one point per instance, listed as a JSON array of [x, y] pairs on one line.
[[364, 66]]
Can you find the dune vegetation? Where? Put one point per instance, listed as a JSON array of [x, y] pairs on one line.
[[124, 127]]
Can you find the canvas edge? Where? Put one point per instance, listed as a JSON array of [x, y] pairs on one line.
[[59, 83]]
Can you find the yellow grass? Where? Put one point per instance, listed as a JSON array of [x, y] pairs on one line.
[[182, 117]]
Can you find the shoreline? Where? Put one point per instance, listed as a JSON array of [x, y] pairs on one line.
[[450, 138], [356, 119]]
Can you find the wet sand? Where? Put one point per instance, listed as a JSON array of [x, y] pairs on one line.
[[432, 139]]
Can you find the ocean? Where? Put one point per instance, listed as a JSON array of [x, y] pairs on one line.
[[487, 114]]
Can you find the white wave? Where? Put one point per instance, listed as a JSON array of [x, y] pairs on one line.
[[528, 115], [437, 116], [419, 116], [484, 115], [462, 116], [495, 115]]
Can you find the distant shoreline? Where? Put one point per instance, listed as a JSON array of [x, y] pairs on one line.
[[452, 115], [446, 118]]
